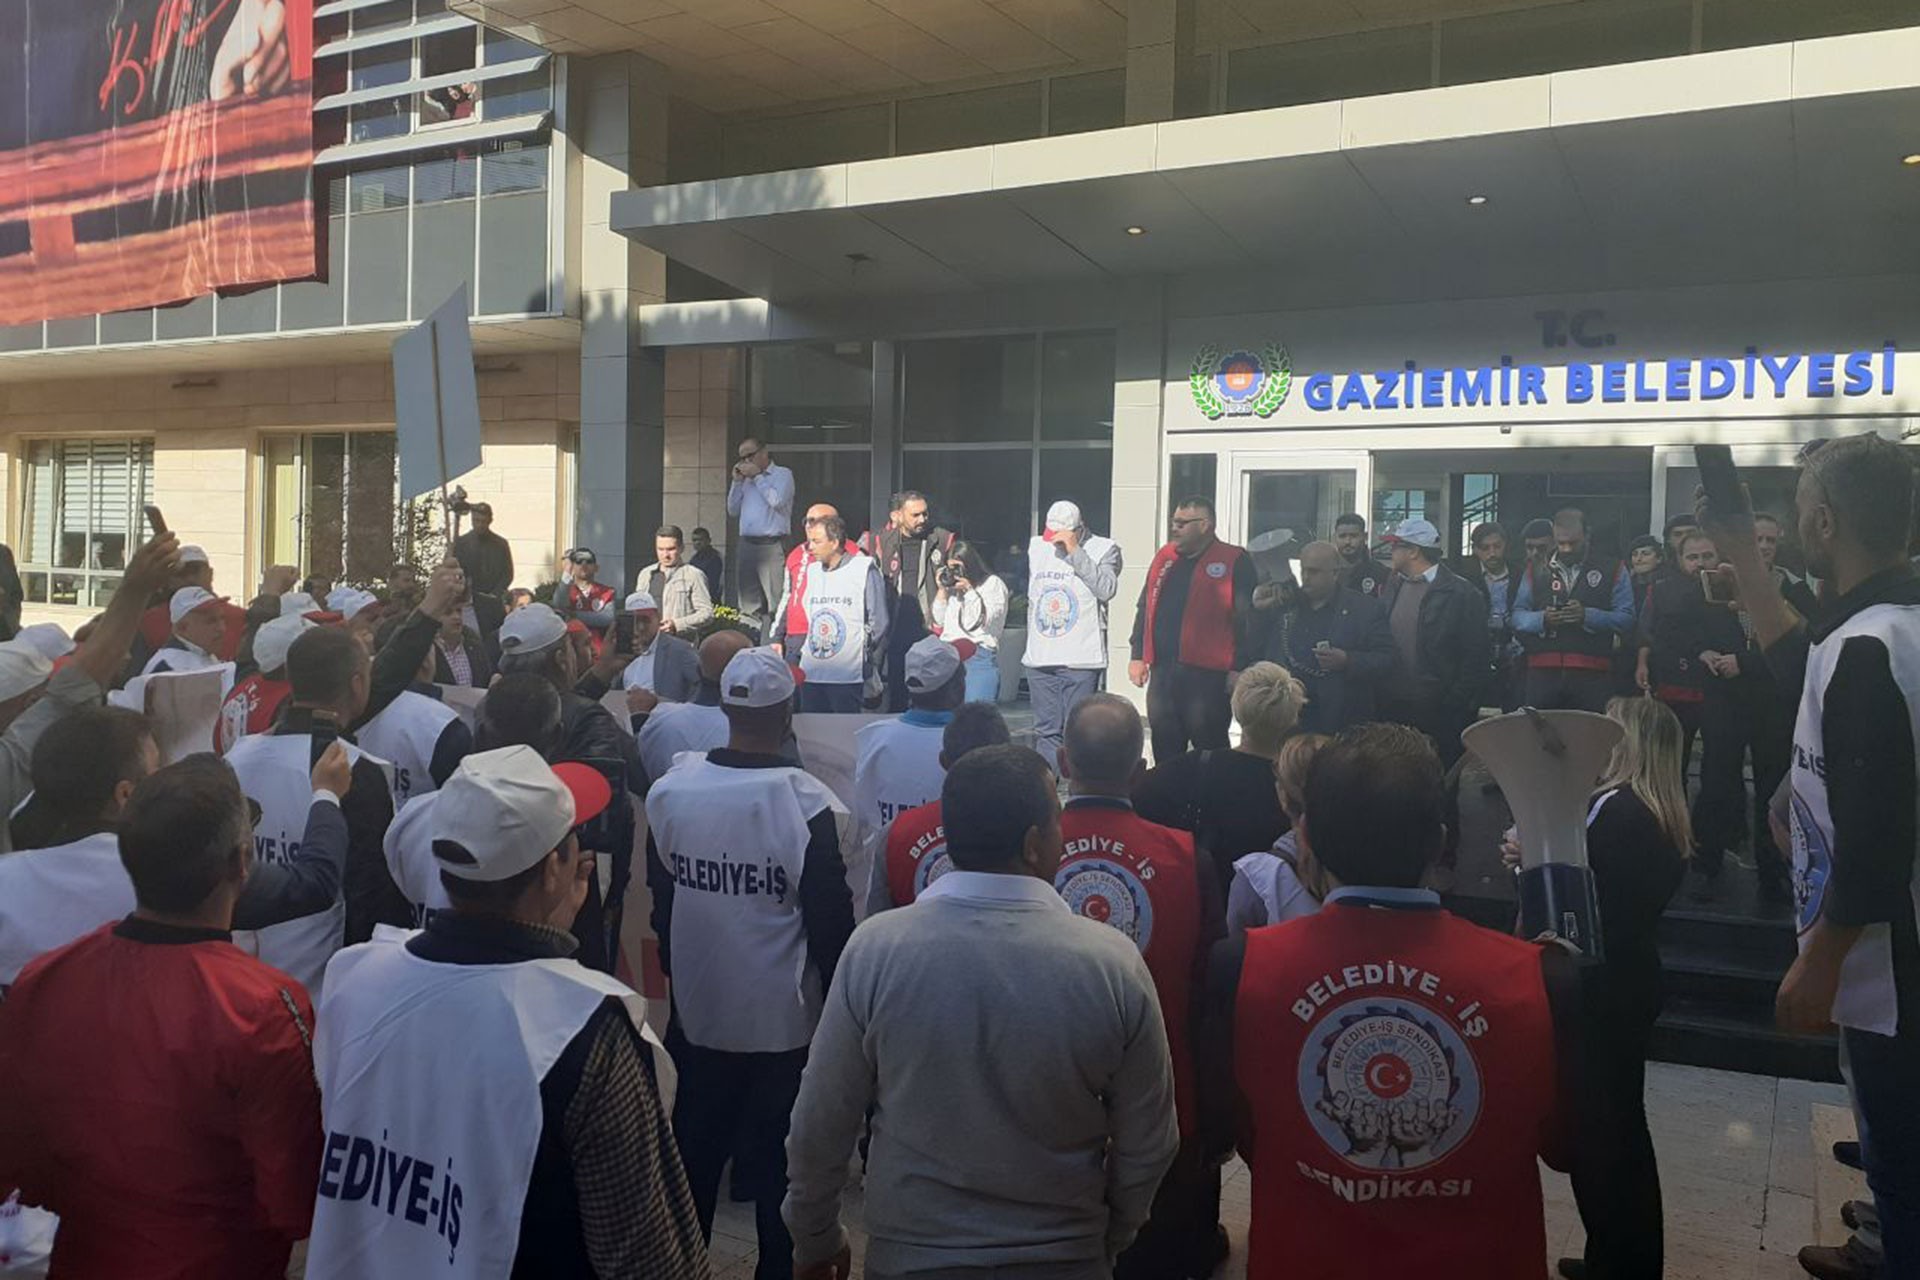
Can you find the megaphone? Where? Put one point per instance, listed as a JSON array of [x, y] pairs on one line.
[[1547, 764]]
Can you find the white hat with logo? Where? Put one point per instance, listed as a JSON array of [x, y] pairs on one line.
[[502, 811], [1062, 516], [348, 602], [756, 678], [273, 639], [530, 629], [187, 599]]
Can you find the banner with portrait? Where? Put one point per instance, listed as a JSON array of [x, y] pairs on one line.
[[152, 151]]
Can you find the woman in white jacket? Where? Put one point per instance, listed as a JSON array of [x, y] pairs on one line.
[[971, 604]]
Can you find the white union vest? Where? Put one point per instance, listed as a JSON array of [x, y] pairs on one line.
[[1866, 997], [735, 842], [408, 1054], [405, 733], [274, 773], [1066, 625], [49, 897], [834, 650]]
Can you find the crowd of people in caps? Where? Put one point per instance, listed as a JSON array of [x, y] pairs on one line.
[[354, 974]]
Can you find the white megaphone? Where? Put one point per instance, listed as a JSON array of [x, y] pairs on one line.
[[1547, 763]]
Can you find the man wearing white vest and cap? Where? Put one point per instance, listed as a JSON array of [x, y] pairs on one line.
[[256, 701], [752, 910], [199, 631], [360, 612], [698, 724], [1071, 575], [491, 1106], [657, 660], [422, 737], [897, 763], [331, 675], [843, 600]]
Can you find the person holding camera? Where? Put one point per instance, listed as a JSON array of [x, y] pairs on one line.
[[970, 603], [1072, 573], [760, 497]]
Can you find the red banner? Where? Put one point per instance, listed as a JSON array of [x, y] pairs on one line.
[[152, 151]]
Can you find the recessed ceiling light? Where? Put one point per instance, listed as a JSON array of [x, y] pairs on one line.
[[1476, 201], [1913, 159], [1136, 231]]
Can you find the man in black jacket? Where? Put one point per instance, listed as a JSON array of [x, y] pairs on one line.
[[485, 555], [1335, 640], [1439, 627], [910, 552]]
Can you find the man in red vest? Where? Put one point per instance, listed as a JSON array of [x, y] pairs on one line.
[[1396, 1068], [1190, 632], [916, 846], [1147, 881]]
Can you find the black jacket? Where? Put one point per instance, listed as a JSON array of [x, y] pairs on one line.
[[1353, 623], [1453, 645], [1679, 624], [487, 560], [371, 896]]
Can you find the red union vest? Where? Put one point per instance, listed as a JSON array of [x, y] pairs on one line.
[[1397, 1067], [1142, 878], [916, 853], [1578, 648], [251, 708], [1206, 628]]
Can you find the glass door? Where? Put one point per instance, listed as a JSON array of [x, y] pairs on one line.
[[1283, 501]]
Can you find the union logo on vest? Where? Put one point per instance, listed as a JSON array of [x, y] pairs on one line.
[[828, 634], [1111, 894], [1056, 613], [1388, 1087]]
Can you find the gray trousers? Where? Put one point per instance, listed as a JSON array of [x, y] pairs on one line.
[[759, 569], [1055, 692]]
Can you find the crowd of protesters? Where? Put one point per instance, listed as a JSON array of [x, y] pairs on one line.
[[355, 974]]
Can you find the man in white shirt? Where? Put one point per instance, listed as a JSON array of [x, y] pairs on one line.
[[897, 763], [697, 725], [1072, 573], [751, 909], [760, 496], [199, 628]]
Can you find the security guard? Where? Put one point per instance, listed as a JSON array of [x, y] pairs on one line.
[[1394, 1068]]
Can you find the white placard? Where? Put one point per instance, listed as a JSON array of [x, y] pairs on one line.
[[436, 402]]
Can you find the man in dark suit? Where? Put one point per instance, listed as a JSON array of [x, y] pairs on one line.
[[1439, 626], [1335, 640]]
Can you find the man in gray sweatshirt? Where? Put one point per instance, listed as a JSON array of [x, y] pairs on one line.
[[1019, 1128]]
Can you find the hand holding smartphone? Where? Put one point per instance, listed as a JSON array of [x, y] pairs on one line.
[[325, 732]]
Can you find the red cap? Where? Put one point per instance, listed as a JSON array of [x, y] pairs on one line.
[[591, 791]]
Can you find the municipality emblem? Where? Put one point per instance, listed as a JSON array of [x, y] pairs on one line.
[[1240, 384], [1387, 1085], [1110, 893], [826, 634]]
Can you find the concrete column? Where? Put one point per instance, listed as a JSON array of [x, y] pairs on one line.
[[620, 110], [1159, 57], [1138, 385]]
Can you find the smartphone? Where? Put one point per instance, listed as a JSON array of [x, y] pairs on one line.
[[155, 521], [623, 633], [1720, 478], [1719, 585], [326, 730]]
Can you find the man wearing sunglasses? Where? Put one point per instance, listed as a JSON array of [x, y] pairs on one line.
[[490, 1104], [760, 497]]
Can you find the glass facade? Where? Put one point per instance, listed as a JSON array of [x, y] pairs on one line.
[[331, 504], [81, 504]]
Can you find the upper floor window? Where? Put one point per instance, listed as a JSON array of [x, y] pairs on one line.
[[81, 516]]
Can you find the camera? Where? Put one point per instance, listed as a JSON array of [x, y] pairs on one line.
[[457, 501], [946, 576]]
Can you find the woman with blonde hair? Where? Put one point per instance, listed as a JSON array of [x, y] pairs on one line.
[[1226, 798], [1267, 887], [1638, 840]]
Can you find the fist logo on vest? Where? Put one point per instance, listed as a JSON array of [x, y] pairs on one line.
[[1387, 1086], [1055, 612], [933, 864], [1812, 861], [1111, 894], [827, 634], [1216, 570]]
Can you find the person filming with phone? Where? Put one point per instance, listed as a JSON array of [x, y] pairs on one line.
[[970, 603], [1855, 789], [1568, 614]]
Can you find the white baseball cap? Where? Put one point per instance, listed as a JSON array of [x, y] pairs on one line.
[[190, 554], [642, 602], [298, 602], [1417, 533], [23, 668], [502, 811], [48, 638], [932, 662], [1061, 516], [530, 629], [349, 601], [756, 678], [273, 639], [187, 599]]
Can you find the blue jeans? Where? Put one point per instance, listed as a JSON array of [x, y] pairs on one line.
[[1881, 1070], [983, 676], [1055, 692]]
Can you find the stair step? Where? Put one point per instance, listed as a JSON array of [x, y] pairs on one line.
[[1734, 1038], [1727, 935]]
